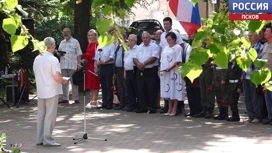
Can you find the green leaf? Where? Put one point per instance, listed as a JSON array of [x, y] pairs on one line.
[[256, 25], [105, 40], [39, 45], [252, 54], [190, 70], [196, 44], [124, 45], [219, 28], [9, 25], [107, 9], [98, 3], [18, 42], [194, 73], [216, 39], [199, 57], [10, 4], [268, 85], [121, 13], [245, 42], [185, 68], [260, 76], [260, 63], [200, 35], [213, 48], [129, 3], [235, 43], [243, 62], [224, 40], [103, 25], [221, 60]]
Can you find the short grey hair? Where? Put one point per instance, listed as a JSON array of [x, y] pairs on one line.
[[49, 41], [147, 33], [133, 36], [159, 31]]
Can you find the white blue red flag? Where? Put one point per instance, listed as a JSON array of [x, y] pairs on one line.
[[186, 14]]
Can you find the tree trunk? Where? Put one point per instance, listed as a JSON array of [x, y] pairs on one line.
[[82, 22]]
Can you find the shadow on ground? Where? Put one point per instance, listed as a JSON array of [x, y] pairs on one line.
[[131, 132]]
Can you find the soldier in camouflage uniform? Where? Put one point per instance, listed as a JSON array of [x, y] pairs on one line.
[[220, 90], [234, 89], [207, 95]]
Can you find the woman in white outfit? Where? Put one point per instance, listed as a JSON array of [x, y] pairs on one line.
[[171, 80]]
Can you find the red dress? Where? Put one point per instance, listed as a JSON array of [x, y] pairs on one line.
[[92, 81]]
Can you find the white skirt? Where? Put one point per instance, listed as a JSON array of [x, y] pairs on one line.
[[171, 85]]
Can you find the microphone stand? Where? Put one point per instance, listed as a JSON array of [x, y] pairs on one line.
[[85, 135]]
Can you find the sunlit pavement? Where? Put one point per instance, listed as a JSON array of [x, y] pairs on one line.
[[134, 133]]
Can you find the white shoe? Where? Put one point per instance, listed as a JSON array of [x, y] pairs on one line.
[[89, 105], [256, 121]]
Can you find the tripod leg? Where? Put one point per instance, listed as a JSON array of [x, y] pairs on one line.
[[21, 95], [33, 98], [75, 139], [4, 102], [98, 139], [79, 140]]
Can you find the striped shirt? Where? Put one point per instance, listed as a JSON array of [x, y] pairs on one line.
[[73, 50], [259, 48]]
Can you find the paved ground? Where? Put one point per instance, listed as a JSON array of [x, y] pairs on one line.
[[134, 133]]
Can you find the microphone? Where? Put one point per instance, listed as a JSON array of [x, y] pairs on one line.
[[60, 53]]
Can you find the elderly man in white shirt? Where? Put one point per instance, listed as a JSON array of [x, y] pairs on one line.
[[130, 73], [48, 81], [146, 60], [69, 63], [105, 59]]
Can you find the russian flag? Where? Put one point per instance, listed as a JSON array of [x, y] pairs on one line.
[[187, 15]]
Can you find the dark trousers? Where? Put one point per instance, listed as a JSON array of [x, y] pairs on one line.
[[121, 87], [131, 87], [193, 96], [205, 82], [253, 106], [261, 101], [233, 97], [147, 88], [106, 73]]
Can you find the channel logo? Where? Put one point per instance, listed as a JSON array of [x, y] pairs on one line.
[[250, 9]]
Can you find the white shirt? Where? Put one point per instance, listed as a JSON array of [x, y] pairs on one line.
[[145, 52], [170, 55], [73, 50], [164, 43], [128, 58], [104, 53], [45, 66]]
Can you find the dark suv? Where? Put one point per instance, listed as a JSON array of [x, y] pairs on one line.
[[149, 25]]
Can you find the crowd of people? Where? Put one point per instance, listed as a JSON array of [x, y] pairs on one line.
[[147, 73]]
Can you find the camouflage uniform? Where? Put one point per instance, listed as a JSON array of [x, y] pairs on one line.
[[234, 83], [207, 94], [220, 91]]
